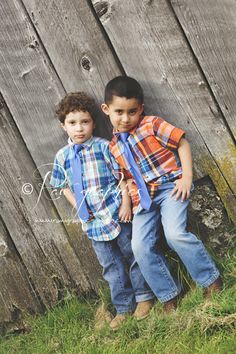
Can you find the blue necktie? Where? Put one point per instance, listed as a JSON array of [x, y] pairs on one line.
[[145, 199], [78, 184]]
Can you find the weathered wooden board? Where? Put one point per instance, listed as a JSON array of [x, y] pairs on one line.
[[210, 27], [16, 292], [26, 194], [22, 235], [17, 217], [31, 89], [150, 44], [77, 48]]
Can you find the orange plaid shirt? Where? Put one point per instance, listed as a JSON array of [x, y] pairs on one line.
[[154, 143]]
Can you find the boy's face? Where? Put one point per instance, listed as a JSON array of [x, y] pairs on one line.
[[79, 126], [124, 113]]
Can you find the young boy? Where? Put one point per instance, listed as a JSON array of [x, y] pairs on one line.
[[158, 164], [85, 170]]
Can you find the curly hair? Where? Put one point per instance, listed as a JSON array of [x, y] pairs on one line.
[[75, 101]]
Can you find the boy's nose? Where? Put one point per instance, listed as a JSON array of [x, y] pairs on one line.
[[125, 118], [79, 128]]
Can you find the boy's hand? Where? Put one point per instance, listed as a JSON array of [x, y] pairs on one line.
[[125, 212], [182, 188]]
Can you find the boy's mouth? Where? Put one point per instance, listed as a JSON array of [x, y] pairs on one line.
[[125, 126], [79, 136]]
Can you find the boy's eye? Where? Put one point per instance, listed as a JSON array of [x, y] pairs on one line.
[[119, 112], [132, 111]]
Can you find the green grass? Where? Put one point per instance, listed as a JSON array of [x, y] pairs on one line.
[[196, 327]]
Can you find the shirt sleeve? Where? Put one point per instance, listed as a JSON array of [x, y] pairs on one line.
[[58, 175], [168, 135]]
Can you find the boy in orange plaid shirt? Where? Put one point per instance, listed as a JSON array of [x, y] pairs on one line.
[[156, 161]]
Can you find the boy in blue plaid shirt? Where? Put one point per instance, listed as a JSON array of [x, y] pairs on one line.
[[107, 202]]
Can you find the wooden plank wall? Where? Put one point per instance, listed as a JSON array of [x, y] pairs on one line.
[[153, 48], [183, 54]]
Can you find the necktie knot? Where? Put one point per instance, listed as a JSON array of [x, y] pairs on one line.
[[77, 148], [124, 136]]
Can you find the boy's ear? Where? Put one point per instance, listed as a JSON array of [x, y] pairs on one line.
[[105, 108]]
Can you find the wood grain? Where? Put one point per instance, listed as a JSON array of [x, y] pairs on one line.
[[152, 48], [77, 48], [43, 248], [16, 290], [210, 28], [31, 89]]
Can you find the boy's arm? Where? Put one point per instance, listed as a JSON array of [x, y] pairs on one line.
[[69, 196], [125, 211], [183, 185]]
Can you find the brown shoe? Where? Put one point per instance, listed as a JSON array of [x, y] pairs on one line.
[[118, 320], [102, 317], [143, 309], [215, 287], [170, 305]]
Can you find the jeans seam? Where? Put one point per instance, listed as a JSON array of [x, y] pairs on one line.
[[122, 295], [212, 264], [170, 296], [118, 272], [160, 263], [211, 280], [144, 292], [164, 272], [141, 298]]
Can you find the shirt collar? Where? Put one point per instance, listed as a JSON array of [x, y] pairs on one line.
[[87, 144]]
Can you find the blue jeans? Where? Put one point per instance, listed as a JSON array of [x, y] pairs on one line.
[[116, 257], [146, 231]]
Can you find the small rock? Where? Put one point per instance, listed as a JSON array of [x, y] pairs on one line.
[[212, 218]]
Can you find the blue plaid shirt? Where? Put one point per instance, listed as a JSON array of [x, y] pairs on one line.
[[100, 181]]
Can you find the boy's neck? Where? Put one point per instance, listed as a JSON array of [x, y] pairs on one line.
[[86, 142]]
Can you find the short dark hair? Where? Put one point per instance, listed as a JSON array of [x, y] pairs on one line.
[[76, 101], [123, 86]]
